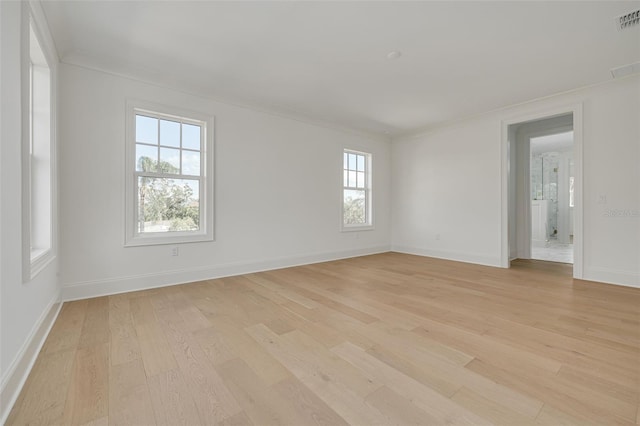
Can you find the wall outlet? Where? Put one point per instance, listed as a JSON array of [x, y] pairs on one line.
[[174, 251]]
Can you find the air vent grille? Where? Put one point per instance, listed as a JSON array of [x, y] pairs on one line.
[[627, 20]]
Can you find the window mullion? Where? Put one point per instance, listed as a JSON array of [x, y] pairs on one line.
[[203, 208], [180, 148], [158, 141]]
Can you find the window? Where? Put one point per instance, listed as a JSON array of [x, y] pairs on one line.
[[37, 154], [356, 191], [169, 170], [571, 202]]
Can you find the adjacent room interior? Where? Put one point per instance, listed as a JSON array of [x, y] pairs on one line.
[[256, 213], [552, 192]]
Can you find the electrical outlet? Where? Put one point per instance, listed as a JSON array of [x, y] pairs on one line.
[[174, 251]]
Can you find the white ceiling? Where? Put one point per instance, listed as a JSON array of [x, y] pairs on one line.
[[327, 61]]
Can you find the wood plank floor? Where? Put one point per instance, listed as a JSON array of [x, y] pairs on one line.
[[376, 340]]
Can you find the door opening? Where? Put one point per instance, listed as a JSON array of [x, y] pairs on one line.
[[542, 216], [551, 179]]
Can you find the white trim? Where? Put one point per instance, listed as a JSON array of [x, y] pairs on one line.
[[96, 288], [40, 262], [16, 375], [206, 179], [578, 192], [76, 60], [612, 276], [356, 228], [453, 255], [426, 130], [47, 42], [576, 110]]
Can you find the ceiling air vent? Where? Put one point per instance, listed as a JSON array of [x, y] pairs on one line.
[[626, 70], [627, 20]]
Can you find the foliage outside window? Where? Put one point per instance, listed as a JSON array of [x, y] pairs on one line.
[[356, 207], [170, 179]]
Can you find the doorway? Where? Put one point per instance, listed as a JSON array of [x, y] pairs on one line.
[[551, 184], [541, 198]]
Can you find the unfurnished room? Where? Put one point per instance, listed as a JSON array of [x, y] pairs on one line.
[[319, 212]]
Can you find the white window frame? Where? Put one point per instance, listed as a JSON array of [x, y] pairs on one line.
[[38, 60], [369, 225], [205, 232]]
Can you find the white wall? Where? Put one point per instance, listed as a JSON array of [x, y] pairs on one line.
[[448, 182], [277, 180], [26, 309], [446, 185]]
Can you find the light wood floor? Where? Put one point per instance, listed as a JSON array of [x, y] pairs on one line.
[[385, 339]]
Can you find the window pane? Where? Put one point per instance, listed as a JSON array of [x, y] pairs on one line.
[[146, 158], [168, 205], [191, 136], [146, 129], [346, 160], [360, 163], [352, 161], [360, 183], [346, 178], [169, 133], [169, 160], [352, 179], [354, 207], [571, 191], [191, 163]]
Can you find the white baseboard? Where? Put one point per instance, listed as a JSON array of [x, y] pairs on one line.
[[598, 274], [612, 276], [88, 289], [458, 256], [16, 375]]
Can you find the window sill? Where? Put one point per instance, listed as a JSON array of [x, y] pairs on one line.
[[357, 228], [40, 259], [156, 240]]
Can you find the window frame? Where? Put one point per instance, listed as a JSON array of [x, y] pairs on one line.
[[133, 238], [38, 187], [368, 189]]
